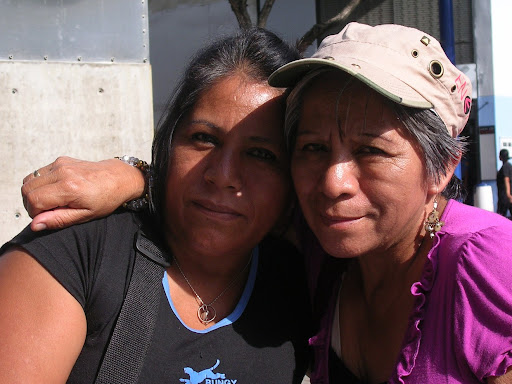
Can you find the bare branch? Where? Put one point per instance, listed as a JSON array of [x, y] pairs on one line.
[[264, 12], [353, 10], [239, 8]]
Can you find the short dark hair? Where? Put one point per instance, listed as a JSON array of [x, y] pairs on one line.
[[255, 52], [504, 154]]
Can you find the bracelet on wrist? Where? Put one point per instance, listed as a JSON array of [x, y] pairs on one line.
[[142, 202]]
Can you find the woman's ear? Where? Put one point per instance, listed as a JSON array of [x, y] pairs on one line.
[[440, 185]]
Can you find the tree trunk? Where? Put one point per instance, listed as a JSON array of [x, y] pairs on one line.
[[352, 11], [264, 12], [239, 8]]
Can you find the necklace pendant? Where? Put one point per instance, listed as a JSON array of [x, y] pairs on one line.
[[206, 314]]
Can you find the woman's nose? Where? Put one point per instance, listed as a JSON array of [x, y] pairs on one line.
[[339, 179], [224, 170]]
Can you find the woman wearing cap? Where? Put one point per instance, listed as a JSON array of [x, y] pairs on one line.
[[415, 287], [221, 298], [423, 290]]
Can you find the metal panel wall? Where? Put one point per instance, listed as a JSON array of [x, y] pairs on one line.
[[74, 30], [54, 104], [463, 29], [418, 14]]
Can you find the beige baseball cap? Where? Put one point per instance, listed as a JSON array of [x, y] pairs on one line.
[[404, 64]]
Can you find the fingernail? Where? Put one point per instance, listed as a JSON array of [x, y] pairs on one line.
[[40, 227]]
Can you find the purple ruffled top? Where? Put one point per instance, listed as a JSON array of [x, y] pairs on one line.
[[460, 330]]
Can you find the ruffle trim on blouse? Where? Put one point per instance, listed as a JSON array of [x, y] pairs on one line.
[[503, 366], [412, 340]]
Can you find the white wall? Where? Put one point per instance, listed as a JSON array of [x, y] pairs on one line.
[[76, 81], [502, 60], [89, 111]]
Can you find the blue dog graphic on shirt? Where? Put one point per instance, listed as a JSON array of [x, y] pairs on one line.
[[199, 377]]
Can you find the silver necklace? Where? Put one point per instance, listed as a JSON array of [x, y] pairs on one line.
[[206, 312]]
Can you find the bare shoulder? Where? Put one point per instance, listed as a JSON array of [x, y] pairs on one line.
[[42, 327], [505, 379]]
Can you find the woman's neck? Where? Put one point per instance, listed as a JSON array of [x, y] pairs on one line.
[[383, 280], [207, 262], [398, 266]]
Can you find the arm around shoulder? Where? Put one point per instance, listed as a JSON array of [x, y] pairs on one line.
[[42, 326], [70, 191]]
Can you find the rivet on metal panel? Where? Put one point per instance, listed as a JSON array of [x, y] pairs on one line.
[[143, 16], [112, 59], [79, 58], [14, 90], [17, 215], [143, 31], [11, 57], [45, 57], [145, 60], [101, 90]]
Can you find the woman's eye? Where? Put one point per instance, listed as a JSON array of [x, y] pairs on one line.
[[262, 153], [313, 147], [204, 138], [368, 150]]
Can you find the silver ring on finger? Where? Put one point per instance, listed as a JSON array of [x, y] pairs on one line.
[[36, 173]]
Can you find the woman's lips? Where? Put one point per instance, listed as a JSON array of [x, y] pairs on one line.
[[215, 210], [339, 221]]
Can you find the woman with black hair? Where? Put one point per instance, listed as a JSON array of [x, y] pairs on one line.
[[227, 293]]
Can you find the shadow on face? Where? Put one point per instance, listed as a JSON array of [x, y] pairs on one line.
[[359, 178], [228, 181]]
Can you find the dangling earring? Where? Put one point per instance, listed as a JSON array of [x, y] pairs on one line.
[[432, 224]]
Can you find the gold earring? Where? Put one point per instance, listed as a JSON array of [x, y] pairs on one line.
[[432, 224]]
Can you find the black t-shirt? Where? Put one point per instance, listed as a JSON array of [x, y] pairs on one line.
[[505, 171], [266, 343]]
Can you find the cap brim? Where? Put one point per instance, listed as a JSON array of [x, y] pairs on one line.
[[384, 83]]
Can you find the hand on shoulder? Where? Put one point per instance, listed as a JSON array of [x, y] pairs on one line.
[[70, 191]]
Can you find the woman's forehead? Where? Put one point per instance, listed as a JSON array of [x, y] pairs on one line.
[[238, 102], [338, 88], [348, 103]]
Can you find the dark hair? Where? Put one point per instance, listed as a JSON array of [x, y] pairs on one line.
[[439, 149], [255, 52], [504, 154]]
